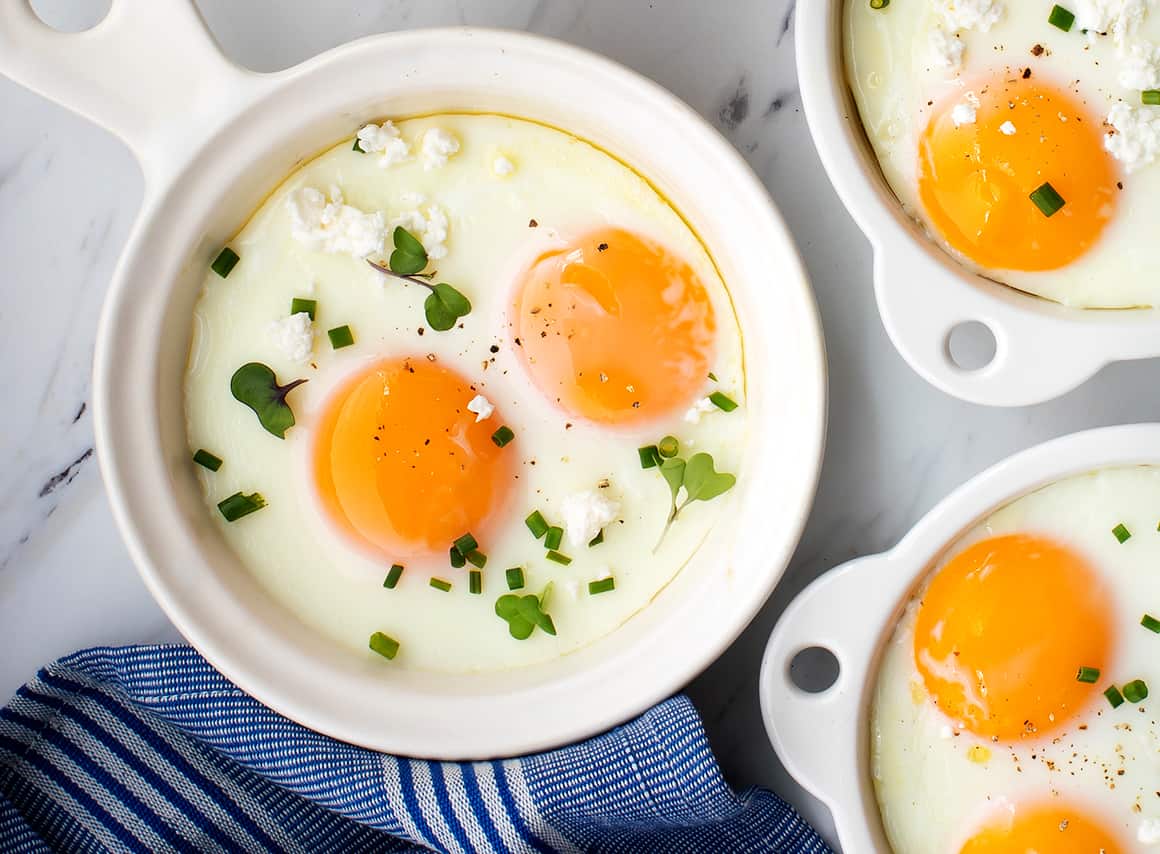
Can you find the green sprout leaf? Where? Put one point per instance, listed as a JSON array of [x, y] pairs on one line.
[[409, 256], [699, 480], [255, 385], [444, 306], [523, 614]]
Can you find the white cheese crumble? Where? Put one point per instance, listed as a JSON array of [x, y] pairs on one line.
[[481, 406], [701, 407], [963, 114], [438, 145], [1117, 18], [293, 336], [585, 514], [430, 227], [384, 139], [978, 15], [1148, 831], [1007, 128], [1141, 67], [1136, 141], [946, 49], [502, 166], [332, 226]]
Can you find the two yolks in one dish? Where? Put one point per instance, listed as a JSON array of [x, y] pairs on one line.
[[975, 178], [1000, 633], [613, 328]]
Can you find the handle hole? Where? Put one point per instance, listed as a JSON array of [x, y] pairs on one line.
[[971, 346], [71, 16], [815, 669]]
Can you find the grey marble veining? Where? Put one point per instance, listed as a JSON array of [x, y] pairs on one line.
[[68, 195]]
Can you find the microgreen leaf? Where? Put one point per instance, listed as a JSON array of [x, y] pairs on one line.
[[255, 385], [444, 306], [523, 614], [409, 256], [673, 471], [702, 481]]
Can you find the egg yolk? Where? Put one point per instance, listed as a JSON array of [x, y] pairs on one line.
[[975, 179], [1002, 630], [615, 328], [401, 464], [1055, 829]]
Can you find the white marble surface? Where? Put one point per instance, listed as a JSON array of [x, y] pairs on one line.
[[68, 194]]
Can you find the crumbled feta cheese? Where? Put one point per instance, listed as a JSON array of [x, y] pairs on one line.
[[481, 406], [1117, 18], [384, 139], [430, 227], [1148, 831], [963, 114], [585, 513], [1136, 141], [502, 166], [693, 415], [978, 15], [1007, 128], [438, 145], [946, 49], [293, 336], [334, 227], [1141, 66]]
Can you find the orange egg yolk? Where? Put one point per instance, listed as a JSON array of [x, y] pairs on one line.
[[615, 328], [1054, 829], [401, 464], [1002, 630], [975, 180]]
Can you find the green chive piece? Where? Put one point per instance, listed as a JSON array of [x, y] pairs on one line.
[[1087, 674], [1047, 199], [384, 645], [393, 576], [1151, 97], [207, 460], [457, 559], [224, 262], [597, 540], [340, 337], [1121, 533], [723, 401], [239, 505], [515, 578], [878, 5], [1135, 691], [556, 557], [1150, 623], [1114, 696], [650, 456], [503, 436], [1061, 18], [554, 537], [441, 584], [299, 305], [668, 447], [604, 585], [537, 524], [466, 543], [476, 558], [357, 147], [475, 582]]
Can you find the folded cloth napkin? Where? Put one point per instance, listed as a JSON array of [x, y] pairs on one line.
[[149, 748]]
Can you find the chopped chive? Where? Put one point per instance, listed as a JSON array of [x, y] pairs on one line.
[[393, 576], [357, 147], [1135, 691], [503, 436], [554, 537], [1061, 18], [1087, 674], [712, 376], [384, 645], [207, 460], [440, 584], [1151, 97], [1121, 533], [537, 524], [602, 586], [879, 4], [476, 558], [723, 401], [466, 543], [299, 305], [650, 456], [515, 578], [556, 557], [457, 558], [1114, 696], [224, 262], [1047, 199], [239, 505], [475, 582], [668, 447], [1150, 623], [340, 337], [597, 540]]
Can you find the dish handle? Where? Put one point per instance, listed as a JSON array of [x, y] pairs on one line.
[[150, 73]]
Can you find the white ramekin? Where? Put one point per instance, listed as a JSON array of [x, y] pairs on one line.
[[1042, 349], [212, 139], [823, 739]]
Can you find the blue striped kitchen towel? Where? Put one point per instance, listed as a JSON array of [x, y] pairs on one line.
[[149, 748]]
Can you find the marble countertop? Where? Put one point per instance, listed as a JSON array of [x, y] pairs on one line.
[[68, 195]]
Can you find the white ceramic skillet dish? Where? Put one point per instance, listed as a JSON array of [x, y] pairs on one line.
[[212, 140], [1042, 349], [823, 739]]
